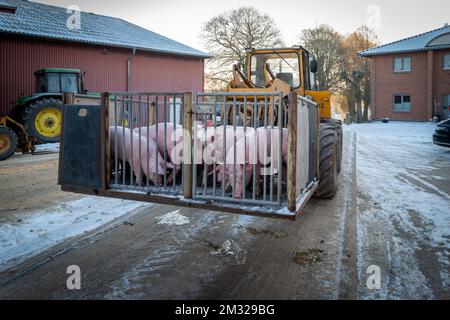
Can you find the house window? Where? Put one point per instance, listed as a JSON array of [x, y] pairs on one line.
[[402, 103], [446, 104], [446, 61], [402, 64]]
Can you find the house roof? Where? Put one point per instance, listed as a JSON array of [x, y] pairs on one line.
[[45, 21], [422, 42]]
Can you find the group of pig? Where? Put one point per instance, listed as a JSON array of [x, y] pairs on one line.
[[235, 151]]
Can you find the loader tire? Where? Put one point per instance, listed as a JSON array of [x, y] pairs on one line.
[[43, 120], [8, 143], [338, 125], [328, 166]]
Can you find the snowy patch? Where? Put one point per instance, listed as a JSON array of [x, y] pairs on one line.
[[225, 249], [30, 233], [48, 147], [173, 218], [403, 219]]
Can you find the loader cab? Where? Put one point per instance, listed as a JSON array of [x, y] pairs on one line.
[[295, 66], [56, 80]]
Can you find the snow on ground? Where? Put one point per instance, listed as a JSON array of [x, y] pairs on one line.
[[48, 147], [32, 232], [173, 218], [403, 210]]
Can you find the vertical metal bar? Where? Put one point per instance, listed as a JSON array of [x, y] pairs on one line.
[[131, 125], [255, 149], [292, 153], [280, 148], [224, 148], [116, 143], [194, 163], [286, 117], [157, 133], [174, 121], [234, 145], [272, 136], [140, 136], [124, 163], [165, 141], [187, 147], [174, 137], [147, 162], [265, 148], [106, 151], [215, 157], [205, 167], [244, 185]]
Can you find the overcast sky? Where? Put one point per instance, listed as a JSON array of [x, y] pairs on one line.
[[181, 20]]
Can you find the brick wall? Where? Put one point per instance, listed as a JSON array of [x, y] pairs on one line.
[[386, 84], [441, 78]]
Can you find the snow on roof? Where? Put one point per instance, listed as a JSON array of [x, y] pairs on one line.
[[46, 21], [421, 42]]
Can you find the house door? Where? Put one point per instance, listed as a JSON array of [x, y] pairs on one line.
[[446, 107]]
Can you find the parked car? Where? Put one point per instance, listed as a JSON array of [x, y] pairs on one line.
[[441, 136]]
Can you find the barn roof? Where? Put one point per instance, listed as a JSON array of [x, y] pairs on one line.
[[431, 40], [46, 21]]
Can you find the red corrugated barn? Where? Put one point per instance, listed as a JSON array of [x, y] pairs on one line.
[[116, 55]]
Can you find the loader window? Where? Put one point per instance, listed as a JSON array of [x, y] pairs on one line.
[[285, 66]]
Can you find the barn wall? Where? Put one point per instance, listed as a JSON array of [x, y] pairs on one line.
[[106, 68]]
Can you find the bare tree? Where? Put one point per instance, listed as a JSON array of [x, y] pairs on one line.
[[356, 70], [226, 37], [326, 45]]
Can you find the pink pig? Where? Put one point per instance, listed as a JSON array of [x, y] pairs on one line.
[[216, 139], [266, 139], [173, 135], [265, 136], [173, 142], [155, 170], [246, 156]]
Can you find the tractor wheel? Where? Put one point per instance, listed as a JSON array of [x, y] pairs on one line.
[[43, 120], [328, 166], [338, 125], [8, 143]]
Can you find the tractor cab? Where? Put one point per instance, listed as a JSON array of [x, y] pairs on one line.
[[289, 65], [281, 70], [56, 80], [36, 118]]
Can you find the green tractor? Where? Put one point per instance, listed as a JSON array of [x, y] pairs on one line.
[[36, 119]]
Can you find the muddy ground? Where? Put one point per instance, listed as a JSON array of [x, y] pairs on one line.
[[164, 252]]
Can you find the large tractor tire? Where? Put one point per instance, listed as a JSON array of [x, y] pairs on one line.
[[8, 142], [42, 119], [338, 125], [328, 162]]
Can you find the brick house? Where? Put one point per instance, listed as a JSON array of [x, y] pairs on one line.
[[410, 78]]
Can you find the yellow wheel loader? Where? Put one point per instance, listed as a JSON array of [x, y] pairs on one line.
[[291, 70], [264, 146]]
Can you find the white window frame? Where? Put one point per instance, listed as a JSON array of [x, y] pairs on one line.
[[403, 64], [446, 101], [446, 64], [403, 103]]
